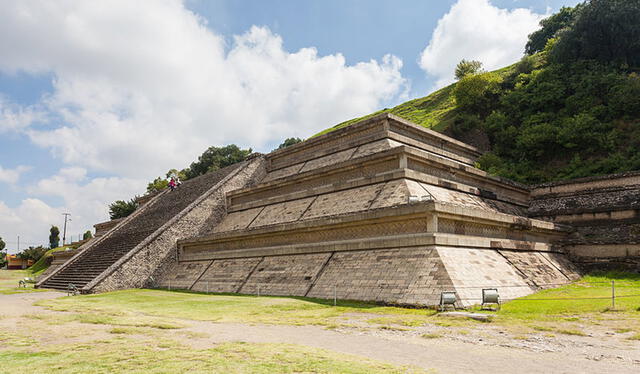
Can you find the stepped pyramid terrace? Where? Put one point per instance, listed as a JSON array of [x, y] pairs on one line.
[[382, 210]]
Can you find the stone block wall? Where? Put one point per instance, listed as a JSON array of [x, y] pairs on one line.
[[604, 212], [400, 276], [158, 250], [227, 275]]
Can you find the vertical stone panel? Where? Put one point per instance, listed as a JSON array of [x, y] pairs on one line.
[[406, 276], [181, 275], [347, 201], [226, 275], [288, 211], [536, 268], [237, 220], [285, 275], [472, 269]]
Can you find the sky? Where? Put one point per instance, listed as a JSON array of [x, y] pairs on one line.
[[97, 98]]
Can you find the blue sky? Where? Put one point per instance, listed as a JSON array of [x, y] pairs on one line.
[[97, 98]]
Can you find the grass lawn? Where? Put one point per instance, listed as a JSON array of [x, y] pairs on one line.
[[547, 310], [223, 308], [138, 331], [152, 355], [9, 282]]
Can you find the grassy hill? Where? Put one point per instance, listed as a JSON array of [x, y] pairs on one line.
[[569, 108], [436, 111]]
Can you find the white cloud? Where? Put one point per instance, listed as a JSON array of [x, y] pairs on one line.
[[477, 30], [14, 117], [11, 176], [141, 87], [85, 198], [30, 220]]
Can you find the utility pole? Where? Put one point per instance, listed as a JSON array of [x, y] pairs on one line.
[[64, 233], [18, 244]]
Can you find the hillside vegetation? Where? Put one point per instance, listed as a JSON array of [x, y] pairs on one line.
[[570, 108]]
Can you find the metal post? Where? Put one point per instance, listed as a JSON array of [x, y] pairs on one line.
[[613, 295], [335, 296], [64, 231]]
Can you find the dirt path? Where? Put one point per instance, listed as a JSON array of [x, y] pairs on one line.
[[441, 354], [14, 305]]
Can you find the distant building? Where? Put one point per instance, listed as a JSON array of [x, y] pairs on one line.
[[15, 263]]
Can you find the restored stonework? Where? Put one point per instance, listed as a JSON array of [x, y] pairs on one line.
[[604, 213], [382, 210]]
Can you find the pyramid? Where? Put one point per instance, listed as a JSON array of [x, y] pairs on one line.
[[383, 210]]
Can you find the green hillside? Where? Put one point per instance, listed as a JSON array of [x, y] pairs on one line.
[[570, 108], [435, 111]]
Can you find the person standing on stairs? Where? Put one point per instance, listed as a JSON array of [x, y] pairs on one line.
[[173, 184]]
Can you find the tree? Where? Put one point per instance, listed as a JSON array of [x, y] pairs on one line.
[[465, 68], [603, 30], [477, 93], [3, 254], [181, 174], [87, 235], [121, 208], [32, 253], [289, 142], [157, 185], [54, 237], [550, 27], [215, 158]]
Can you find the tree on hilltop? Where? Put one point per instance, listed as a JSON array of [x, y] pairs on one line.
[[215, 158], [603, 30], [87, 235], [54, 237], [550, 27], [289, 142], [121, 208], [465, 68]]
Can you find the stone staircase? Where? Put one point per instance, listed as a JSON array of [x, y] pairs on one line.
[[103, 253]]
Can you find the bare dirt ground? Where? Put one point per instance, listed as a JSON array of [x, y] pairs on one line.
[[486, 349]]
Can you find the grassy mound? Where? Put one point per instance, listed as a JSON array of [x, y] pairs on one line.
[[43, 263]]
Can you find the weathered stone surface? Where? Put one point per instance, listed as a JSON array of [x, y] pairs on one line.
[[285, 275], [535, 268], [472, 269], [347, 201], [226, 275], [375, 147], [397, 192], [289, 211], [134, 269], [604, 212], [238, 220], [332, 216], [182, 275], [402, 276]]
